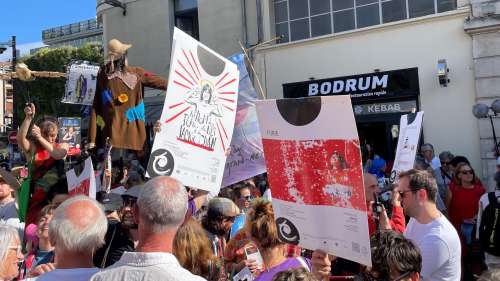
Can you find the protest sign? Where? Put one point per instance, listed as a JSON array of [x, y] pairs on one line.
[[409, 134], [70, 133], [198, 116], [84, 183], [315, 174], [246, 158], [80, 83]]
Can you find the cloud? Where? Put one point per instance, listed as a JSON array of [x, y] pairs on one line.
[[23, 48]]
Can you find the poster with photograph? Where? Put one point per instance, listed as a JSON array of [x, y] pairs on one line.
[[246, 158], [83, 184], [314, 166], [410, 128], [70, 133], [81, 83], [198, 116]]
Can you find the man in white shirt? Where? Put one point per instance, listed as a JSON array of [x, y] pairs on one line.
[[76, 230], [161, 208], [436, 238], [427, 151]]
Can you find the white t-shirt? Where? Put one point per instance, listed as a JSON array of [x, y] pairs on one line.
[[73, 274], [440, 247], [483, 203]]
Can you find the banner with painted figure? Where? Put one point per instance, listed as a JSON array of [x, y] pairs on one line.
[[410, 128], [83, 184], [246, 158], [70, 133], [314, 166], [81, 83], [198, 116]]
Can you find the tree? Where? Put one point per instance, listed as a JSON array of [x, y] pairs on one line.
[[46, 93]]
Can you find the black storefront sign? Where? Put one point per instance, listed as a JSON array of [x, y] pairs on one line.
[[364, 87]]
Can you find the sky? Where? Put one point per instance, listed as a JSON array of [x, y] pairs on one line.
[[27, 18]]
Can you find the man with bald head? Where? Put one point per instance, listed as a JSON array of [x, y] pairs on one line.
[[397, 221], [76, 230], [160, 210]]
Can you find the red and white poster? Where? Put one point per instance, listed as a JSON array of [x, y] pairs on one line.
[[315, 173], [198, 116], [83, 184]]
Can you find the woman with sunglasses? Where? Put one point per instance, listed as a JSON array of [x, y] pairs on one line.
[[10, 252], [463, 196]]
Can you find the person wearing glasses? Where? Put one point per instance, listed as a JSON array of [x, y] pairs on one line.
[[444, 174], [428, 228], [10, 252]]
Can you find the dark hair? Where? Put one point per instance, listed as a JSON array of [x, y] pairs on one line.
[[213, 223], [48, 209], [294, 274], [261, 224], [421, 180], [238, 187], [459, 159], [392, 251]]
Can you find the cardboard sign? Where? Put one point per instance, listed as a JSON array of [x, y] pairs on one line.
[[81, 83], [85, 183], [70, 133], [246, 158], [315, 174], [410, 128], [198, 116]]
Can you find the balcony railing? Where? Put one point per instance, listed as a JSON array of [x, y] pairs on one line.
[[74, 28]]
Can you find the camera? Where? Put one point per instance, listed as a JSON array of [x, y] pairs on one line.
[[384, 197]]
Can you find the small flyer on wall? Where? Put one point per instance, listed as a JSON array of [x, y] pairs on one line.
[[315, 174], [198, 116], [81, 83], [70, 133]]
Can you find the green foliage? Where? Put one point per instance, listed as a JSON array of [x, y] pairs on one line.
[[47, 93]]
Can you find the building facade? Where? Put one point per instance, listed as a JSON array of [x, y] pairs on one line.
[[73, 35], [386, 54]]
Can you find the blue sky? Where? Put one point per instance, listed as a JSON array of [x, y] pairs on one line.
[[27, 18]]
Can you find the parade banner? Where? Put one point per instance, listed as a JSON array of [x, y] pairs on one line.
[[314, 166], [198, 116], [70, 133], [81, 83], [246, 158], [84, 183], [409, 134]]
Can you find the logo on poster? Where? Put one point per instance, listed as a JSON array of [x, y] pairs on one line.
[[162, 164], [287, 231]]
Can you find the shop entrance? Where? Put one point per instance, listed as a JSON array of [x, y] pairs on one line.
[[381, 132]]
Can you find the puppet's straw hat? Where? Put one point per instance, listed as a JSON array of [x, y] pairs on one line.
[[23, 72], [116, 49]]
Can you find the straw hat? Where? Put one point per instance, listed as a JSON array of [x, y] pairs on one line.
[[23, 72], [116, 49]]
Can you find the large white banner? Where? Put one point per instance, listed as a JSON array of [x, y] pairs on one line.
[[84, 183], [81, 83], [198, 116], [247, 155], [409, 134], [315, 174]]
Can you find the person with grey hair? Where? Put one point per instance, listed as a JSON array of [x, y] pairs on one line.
[[160, 210], [10, 252], [427, 151], [444, 174], [429, 229], [76, 230]]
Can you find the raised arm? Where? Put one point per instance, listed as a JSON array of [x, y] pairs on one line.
[[22, 139], [56, 152]]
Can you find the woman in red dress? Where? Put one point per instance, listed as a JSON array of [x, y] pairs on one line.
[[46, 155]]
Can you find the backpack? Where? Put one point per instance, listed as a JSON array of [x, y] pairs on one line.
[[489, 230]]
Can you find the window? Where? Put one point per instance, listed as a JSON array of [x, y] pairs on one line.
[[301, 19], [186, 17]]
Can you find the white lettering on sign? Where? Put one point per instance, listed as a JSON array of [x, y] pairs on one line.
[[377, 108], [349, 85]]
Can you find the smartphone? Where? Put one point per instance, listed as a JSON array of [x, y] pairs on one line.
[[252, 253]]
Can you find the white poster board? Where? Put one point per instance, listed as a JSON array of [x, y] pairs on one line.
[[85, 183], [81, 83], [315, 174], [410, 128], [198, 116]]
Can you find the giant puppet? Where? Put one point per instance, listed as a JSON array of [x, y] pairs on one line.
[[118, 107]]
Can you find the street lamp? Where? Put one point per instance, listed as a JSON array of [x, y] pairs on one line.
[[12, 44], [481, 110], [115, 3]]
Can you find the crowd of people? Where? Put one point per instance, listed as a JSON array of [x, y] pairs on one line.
[[430, 228]]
